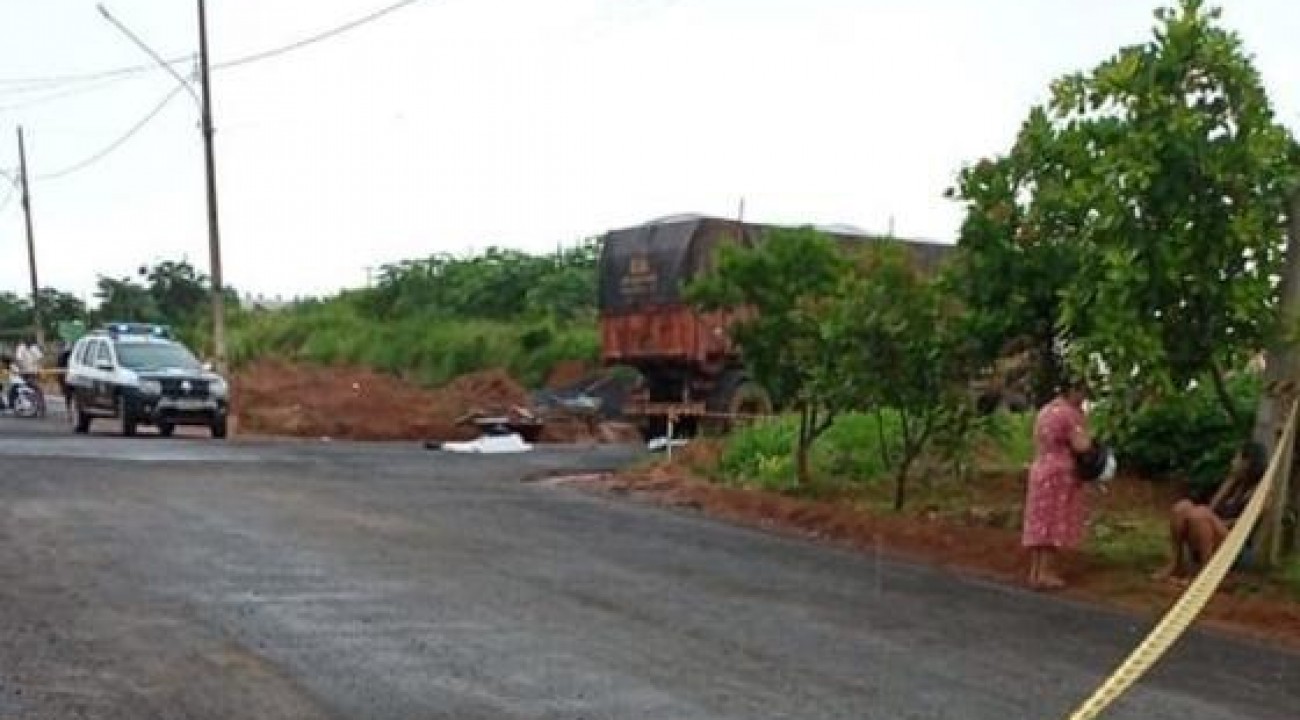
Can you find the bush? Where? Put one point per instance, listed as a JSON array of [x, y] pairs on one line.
[[1187, 436], [762, 455], [428, 348]]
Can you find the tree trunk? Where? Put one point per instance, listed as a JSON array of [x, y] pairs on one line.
[[1048, 373], [801, 471], [900, 484], [1225, 397]]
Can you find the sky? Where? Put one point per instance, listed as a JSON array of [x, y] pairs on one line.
[[453, 125]]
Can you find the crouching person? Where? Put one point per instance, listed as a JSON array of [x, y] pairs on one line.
[[1197, 530]]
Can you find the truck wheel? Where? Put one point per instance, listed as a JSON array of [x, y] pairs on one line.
[[736, 394]]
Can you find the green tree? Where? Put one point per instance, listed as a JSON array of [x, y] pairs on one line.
[[787, 284], [180, 293], [897, 345], [495, 285], [125, 301], [15, 315], [58, 307], [1150, 192], [1019, 246]]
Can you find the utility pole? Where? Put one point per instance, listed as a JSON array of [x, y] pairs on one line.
[[37, 325], [210, 166]]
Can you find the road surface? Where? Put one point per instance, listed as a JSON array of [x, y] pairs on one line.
[[152, 578]]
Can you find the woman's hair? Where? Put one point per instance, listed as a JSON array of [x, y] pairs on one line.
[[1256, 460]]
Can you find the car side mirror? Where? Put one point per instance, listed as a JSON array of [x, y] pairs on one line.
[[207, 366]]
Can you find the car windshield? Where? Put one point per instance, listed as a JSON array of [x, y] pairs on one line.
[[155, 356]]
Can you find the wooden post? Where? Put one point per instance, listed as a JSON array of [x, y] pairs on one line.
[[1280, 376]]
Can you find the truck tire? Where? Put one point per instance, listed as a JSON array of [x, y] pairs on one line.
[[736, 394]]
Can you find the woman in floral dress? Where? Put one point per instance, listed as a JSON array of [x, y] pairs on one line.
[[1056, 510]]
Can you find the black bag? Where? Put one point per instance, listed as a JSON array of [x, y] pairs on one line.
[[1090, 465]]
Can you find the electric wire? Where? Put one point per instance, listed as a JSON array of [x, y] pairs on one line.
[[111, 147], [53, 80]]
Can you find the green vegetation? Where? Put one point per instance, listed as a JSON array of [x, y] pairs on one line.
[[854, 452], [1136, 216], [1185, 435], [431, 320], [791, 280], [427, 346]]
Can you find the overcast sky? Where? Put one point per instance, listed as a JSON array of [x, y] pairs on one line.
[[452, 125]]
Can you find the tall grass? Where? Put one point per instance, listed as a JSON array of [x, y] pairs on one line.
[[427, 348]]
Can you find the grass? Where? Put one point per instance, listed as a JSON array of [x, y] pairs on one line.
[[849, 455], [427, 348]]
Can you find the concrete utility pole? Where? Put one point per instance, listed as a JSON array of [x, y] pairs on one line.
[[210, 168], [38, 327], [1281, 374], [204, 99]]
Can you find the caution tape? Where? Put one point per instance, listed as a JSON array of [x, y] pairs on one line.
[[1198, 594]]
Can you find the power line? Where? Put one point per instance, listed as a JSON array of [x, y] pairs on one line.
[[56, 80], [119, 142], [9, 196], [319, 37], [56, 92]]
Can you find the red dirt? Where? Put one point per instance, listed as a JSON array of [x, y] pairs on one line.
[[983, 540], [289, 399], [567, 373], [277, 398]]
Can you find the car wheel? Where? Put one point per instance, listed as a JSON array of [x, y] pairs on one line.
[[80, 420], [219, 428], [166, 429], [124, 416]]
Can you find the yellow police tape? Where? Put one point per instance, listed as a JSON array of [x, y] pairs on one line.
[[1198, 594]]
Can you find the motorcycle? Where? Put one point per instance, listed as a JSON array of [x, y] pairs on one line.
[[22, 399]]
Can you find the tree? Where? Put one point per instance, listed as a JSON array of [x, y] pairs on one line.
[[898, 346], [59, 307], [180, 293], [1157, 181], [125, 301], [1019, 246], [15, 315], [785, 285]]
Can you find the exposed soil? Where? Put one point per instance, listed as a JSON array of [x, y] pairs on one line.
[[277, 398], [978, 535], [567, 373], [297, 400]]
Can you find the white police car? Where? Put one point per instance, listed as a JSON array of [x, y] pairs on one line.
[[137, 375]]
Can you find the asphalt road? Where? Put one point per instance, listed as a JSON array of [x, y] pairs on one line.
[[153, 578]]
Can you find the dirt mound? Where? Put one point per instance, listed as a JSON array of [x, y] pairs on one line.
[[280, 398], [277, 398], [567, 373]]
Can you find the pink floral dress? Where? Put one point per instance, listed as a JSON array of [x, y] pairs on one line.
[[1056, 510]]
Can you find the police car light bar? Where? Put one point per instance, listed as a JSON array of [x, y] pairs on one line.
[[136, 329]]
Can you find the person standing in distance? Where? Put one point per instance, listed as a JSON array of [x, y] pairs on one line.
[[1056, 510], [28, 358]]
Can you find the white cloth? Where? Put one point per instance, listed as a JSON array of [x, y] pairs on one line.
[[28, 359]]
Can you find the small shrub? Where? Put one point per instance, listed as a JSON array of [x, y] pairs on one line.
[[761, 455], [1187, 435]]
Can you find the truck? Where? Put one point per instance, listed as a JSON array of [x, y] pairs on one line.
[[690, 369]]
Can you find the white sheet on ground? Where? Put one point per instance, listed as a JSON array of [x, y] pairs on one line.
[[490, 444]]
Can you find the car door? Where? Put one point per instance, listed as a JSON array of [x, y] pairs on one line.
[[80, 376], [103, 369]]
